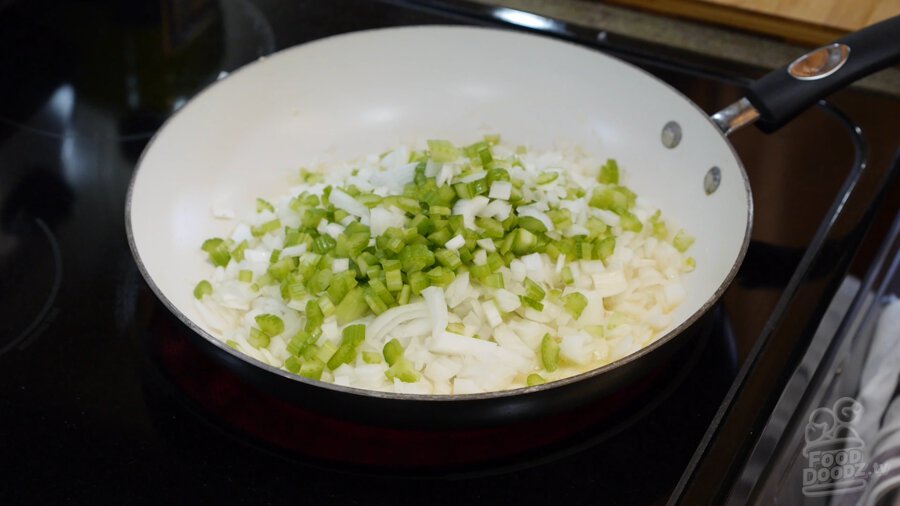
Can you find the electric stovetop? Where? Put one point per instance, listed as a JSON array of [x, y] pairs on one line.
[[104, 399]]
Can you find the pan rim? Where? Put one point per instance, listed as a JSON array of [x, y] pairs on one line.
[[444, 398]]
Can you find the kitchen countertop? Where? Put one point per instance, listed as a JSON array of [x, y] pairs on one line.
[[763, 52]]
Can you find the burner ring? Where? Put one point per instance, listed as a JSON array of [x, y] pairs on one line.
[[48, 311]]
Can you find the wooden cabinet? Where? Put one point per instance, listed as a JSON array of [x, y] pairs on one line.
[[806, 21]]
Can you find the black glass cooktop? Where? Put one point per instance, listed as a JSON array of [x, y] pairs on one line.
[[104, 399]]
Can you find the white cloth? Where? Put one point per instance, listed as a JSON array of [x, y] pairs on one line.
[[879, 424]]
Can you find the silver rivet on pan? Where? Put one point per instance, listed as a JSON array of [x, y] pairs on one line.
[[671, 134], [712, 180]]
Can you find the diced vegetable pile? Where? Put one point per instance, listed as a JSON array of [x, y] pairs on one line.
[[447, 270]]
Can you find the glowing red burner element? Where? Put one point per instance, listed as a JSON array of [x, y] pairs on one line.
[[243, 408]]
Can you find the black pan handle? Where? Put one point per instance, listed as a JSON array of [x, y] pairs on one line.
[[786, 92]]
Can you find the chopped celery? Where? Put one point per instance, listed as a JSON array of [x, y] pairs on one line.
[[220, 256], [532, 224], [298, 344], [312, 369], [660, 231], [314, 315], [498, 175], [478, 187], [280, 269], [549, 353], [609, 172], [595, 227], [494, 281], [486, 157], [310, 177], [258, 338], [566, 275], [606, 247], [320, 281], [393, 351], [690, 264], [418, 281], [325, 351], [371, 357], [202, 288], [262, 205], [534, 379], [617, 199], [393, 280], [575, 303], [439, 237], [404, 371], [440, 276], [341, 283], [630, 222], [480, 272], [448, 258], [583, 250], [494, 261], [211, 245], [265, 228], [323, 244], [352, 307], [292, 364], [238, 252], [374, 302], [416, 258], [682, 241], [533, 304], [379, 289], [533, 290], [353, 336], [442, 151], [270, 324], [490, 227], [463, 191], [524, 242], [326, 305], [369, 200], [547, 177], [403, 298], [439, 211], [561, 218]]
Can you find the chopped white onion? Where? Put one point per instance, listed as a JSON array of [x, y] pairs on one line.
[[437, 309], [458, 241], [339, 264], [500, 190], [506, 300], [492, 314], [343, 201]]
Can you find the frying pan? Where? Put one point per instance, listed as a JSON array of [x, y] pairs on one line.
[[345, 96]]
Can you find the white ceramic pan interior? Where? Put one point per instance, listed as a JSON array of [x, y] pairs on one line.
[[349, 95]]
